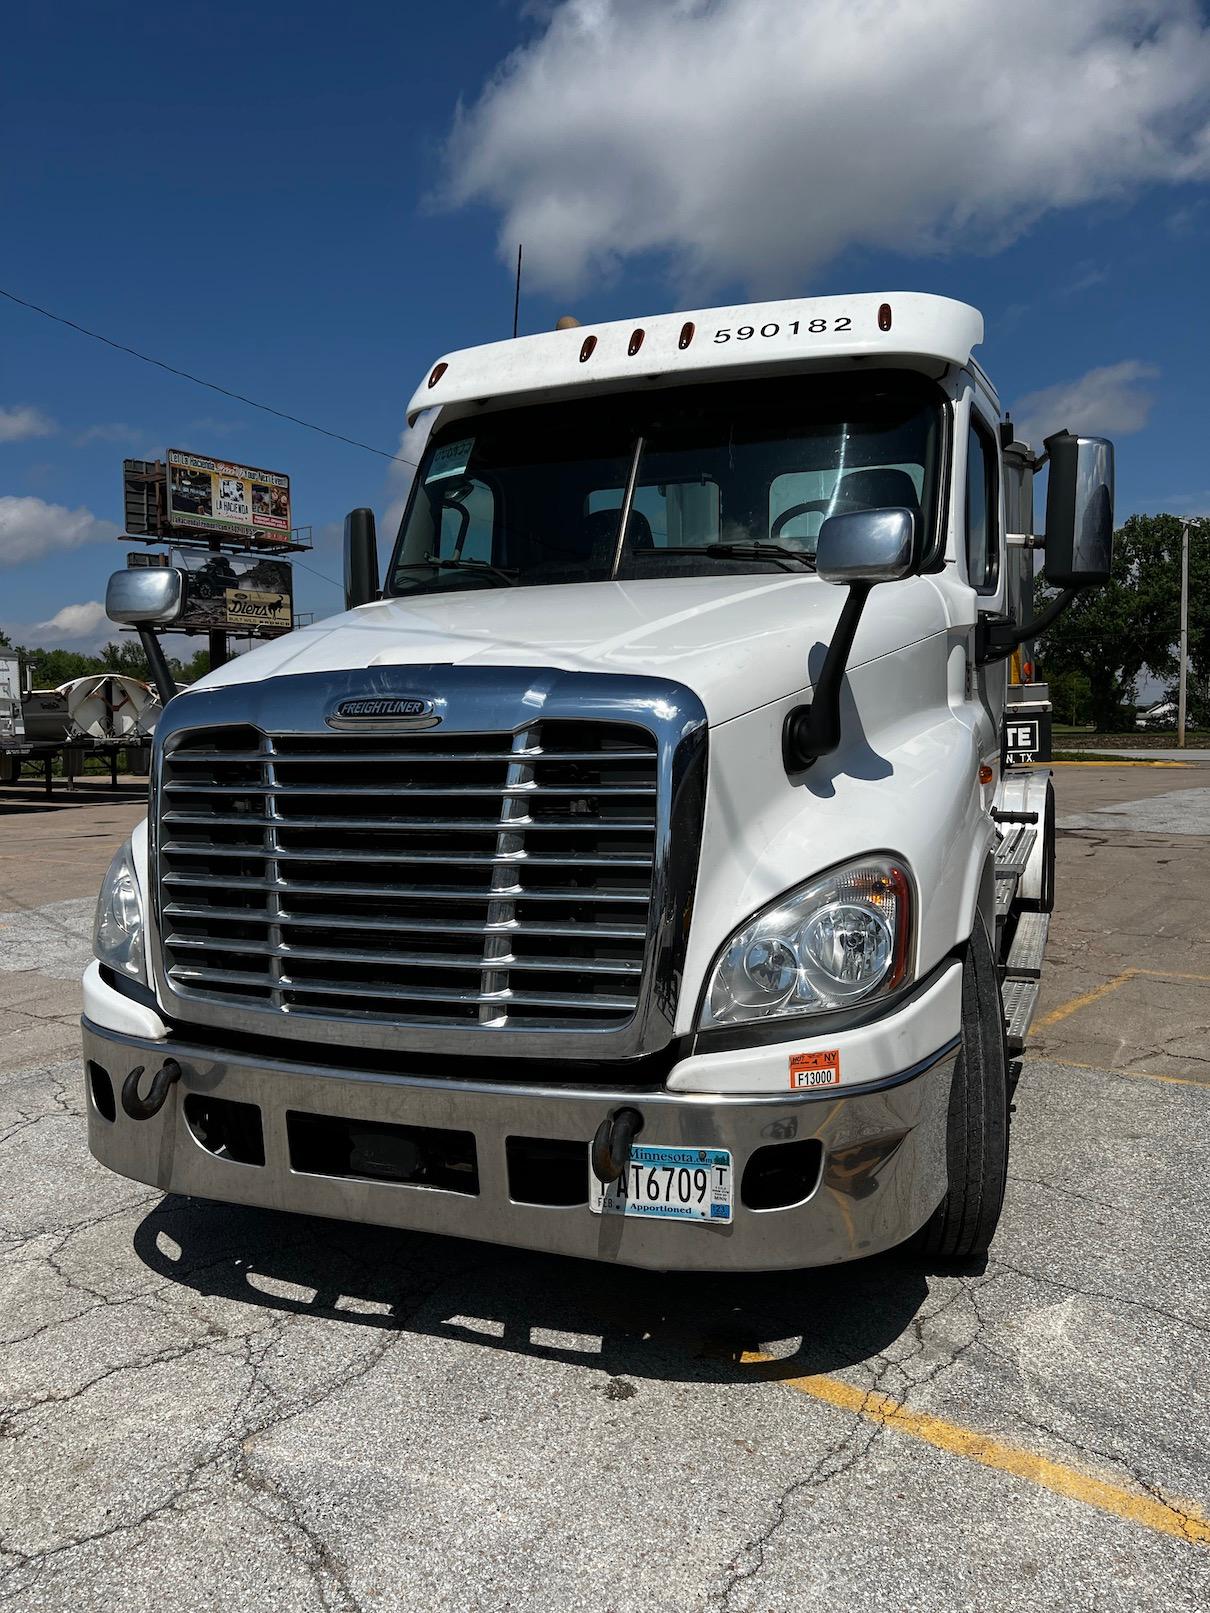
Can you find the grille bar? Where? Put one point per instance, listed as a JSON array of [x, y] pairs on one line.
[[420, 825], [324, 758], [343, 988], [438, 792], [451, 859], [516, 892], [403, 926], [403, 960], [427, 893]]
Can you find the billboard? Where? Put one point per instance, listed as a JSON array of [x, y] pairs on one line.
[[231, 501], [254, 598]]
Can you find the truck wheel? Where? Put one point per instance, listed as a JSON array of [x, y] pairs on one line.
[[964, 1223]]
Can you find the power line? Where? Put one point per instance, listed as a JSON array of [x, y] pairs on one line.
[[239, 397]]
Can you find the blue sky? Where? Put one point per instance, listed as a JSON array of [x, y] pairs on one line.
[[285, 199]]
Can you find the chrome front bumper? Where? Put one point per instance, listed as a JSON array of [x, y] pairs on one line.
[[883, 1154]]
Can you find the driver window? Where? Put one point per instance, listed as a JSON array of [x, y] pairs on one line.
[[982, 511]]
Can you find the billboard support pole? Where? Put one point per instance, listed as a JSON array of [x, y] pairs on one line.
[[217, 636]]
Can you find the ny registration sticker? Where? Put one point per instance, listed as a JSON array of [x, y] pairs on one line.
[[815, 1069]]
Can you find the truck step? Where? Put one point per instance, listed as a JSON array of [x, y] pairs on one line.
[[1012, 854], [1006, 889], [1029, 945], [1020, 1005]]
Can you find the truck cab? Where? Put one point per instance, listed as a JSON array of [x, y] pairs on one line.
[[631, 871]]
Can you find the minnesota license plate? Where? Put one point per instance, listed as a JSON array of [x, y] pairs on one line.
[[675, 1184]]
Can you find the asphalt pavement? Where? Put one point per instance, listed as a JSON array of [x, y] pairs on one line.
[[207, 1407]]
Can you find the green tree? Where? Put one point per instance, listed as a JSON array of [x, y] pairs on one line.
[[1110, 634], [196, 667], [53, 667], [1071, 696]]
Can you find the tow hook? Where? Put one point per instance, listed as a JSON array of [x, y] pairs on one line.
[[610, 1153], [143, 1108]]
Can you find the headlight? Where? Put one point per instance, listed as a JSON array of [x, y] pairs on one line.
[[839, 940], [117, 937]]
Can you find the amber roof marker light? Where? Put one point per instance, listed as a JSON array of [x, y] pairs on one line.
[[588, 348], [884, 316], [438, 371], [686, 335], [636, 340]]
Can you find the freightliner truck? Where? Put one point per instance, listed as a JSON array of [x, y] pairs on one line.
[[631, 872]]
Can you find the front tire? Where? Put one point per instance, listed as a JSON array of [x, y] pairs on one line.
[[964, 1223]]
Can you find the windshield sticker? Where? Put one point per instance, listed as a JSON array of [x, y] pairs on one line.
[[451, 460]]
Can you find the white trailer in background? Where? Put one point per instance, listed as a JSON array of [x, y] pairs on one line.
[[14, 746], [634, 872]]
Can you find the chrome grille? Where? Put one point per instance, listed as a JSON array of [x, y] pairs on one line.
[[491, 879]]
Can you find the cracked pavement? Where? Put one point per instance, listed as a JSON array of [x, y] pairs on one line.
[[204, 1406]]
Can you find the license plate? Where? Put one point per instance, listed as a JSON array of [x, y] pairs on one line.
[[675, 1184]]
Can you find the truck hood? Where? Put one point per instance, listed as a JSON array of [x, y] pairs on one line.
[[737, 642]]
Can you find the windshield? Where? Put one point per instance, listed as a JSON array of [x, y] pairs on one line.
[[734, 477]]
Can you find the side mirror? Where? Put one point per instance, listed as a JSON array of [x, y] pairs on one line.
[[361, 558], [862, 548], [149, 598], [1079, 511], [867, 546]]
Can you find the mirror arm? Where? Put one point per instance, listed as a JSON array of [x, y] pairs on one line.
[[161, 673], [812, 731], [996, 637]]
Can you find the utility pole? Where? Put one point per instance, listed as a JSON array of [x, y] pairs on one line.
[[1184, 655]]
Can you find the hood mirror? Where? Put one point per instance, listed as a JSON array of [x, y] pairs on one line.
[[150, 597], [859, 549], [867, 546]]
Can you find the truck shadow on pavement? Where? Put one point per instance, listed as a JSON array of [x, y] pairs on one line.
[[669, 1326]]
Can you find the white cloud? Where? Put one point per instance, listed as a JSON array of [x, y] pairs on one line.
[[78, 621], [114, 431], [31, 528], [23, 421], [1111, 401], [754, 140], [412, 441]]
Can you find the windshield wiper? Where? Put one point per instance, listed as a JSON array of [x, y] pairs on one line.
[[775, 552], [483, 566]]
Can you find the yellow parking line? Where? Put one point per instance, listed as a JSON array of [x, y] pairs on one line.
[[1146, 1075], [1126, 761], [1084, 999], [1179, 1519]]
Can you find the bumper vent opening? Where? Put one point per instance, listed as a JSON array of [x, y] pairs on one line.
[[545, 1170], [101, 1086], [227, 1129], [375, 1151], [781, 1175]]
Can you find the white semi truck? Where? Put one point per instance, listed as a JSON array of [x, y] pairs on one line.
[[632, 872]]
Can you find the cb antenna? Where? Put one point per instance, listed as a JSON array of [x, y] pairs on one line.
[[517, 293]]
